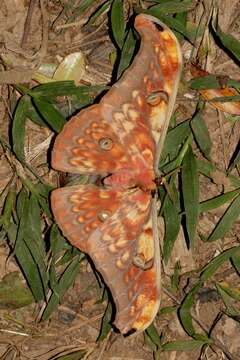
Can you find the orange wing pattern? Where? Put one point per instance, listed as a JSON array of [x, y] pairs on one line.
[[120, 139], [105, 224]]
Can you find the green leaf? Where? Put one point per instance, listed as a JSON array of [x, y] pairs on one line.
[[218, 201], [57, 242], [190, 190], [153, 335], [18, 128], [205, 82], [201, 134], [175, 137], [126, 53], [26, 260], [185, 311], [233, 293], [228, 300], [9, 205], [66, 88], [22, 198], [100, 10], [106, 323], [117, 22], [214, 265], [33, 115], [172, 7], [229, 42], [30, 231], [84, 5], [65, 281], [51, 115], [209, 169], [185, 345], [171, 22], [175, 278], [227, 220], [172, 220], [167, 310], [13, 292]]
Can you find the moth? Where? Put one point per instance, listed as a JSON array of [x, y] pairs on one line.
[[121, 139]]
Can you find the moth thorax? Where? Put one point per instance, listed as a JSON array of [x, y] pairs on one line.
[[103, 215], [105, 143], [156, 97]]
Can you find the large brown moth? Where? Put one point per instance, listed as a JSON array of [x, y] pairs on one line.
[[121, 139]]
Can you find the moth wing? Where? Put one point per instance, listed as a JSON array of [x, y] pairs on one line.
[[116, 230], [133, 117]]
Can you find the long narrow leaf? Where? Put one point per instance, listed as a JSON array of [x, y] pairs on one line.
[[227, 220], [25, 257], [117, 22], [229, 42], [65, 282], [172, 220], [185, 311], [185, 345], [18, 128], [51, 115], [190, 189], [171, 22], [218, 201], [127, 52], [214, 265], [201, 135], [100, 10], [172, 7]]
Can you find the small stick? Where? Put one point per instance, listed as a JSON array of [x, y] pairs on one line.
[[28, 22]]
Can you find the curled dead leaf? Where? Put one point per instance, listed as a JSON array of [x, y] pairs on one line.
[[230, 107]]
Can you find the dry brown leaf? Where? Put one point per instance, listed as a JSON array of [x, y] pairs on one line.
[[230, 107]]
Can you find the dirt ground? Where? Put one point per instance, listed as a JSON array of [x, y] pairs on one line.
[[74, 327]]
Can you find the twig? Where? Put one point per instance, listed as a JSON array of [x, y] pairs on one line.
[[44, 44], [28, 22]]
